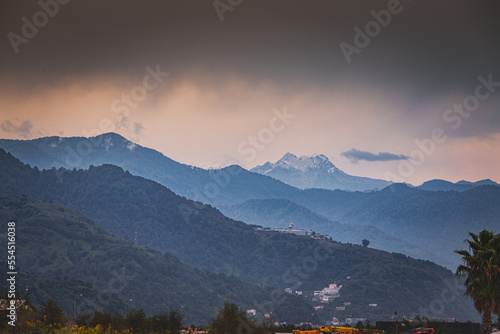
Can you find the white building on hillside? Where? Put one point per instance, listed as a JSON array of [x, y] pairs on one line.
[[329, 293]]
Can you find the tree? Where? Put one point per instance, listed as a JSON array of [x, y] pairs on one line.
[[52, 312], [170, 322], [137, 321], [231, 320], [175, 318], [482, 272], [365, 242], [160, 322], [105, 319]]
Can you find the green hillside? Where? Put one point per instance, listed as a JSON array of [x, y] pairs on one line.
[[280, 212], [54, 241], [201, 236]]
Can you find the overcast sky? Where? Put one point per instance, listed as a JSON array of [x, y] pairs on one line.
[[385, 89]]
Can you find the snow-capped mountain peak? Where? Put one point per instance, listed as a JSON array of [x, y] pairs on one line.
[[302, 163], [322, 161], [289, 156], [315, 171]]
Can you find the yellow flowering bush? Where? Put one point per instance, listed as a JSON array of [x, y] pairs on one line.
[[40, 327]]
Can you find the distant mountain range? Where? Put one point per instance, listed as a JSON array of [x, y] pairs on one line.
[[316, 171], [442, 185], [212, 185], [138, 209], [430, 224], [223, 188]]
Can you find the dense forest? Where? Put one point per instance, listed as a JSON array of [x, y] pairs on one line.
[[64, 255]]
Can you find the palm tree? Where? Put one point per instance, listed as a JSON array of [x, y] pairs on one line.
[[482, 272]]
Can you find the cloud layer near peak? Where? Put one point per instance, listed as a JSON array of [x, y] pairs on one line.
[[355, 155]]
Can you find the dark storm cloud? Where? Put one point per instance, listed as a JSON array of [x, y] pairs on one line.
[[428, 46], [355, 155], [429, 49]]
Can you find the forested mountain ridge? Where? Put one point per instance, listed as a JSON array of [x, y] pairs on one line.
[[230, 185], [434, 221], [60, 247], [201, 236], [442, 185]]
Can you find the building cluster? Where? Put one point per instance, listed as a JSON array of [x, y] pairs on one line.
[[296, 231], [327, 294]]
